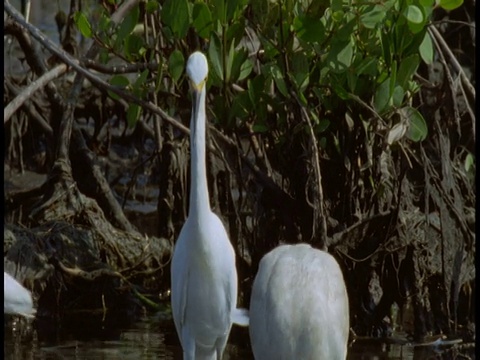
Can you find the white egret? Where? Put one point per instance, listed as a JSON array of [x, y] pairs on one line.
[[299, 306], [204, 277], [16, 299]]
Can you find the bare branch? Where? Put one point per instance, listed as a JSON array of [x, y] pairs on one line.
[[436, 34], [33, 113], [74, 63], [31, 89], [120, 69]]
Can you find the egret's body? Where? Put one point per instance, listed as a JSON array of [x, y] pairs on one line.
[[16, 299], [204, 277], [299, 306]]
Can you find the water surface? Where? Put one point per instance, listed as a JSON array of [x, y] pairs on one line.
[[154, 338]]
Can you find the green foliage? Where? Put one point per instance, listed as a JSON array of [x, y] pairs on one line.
[[119, 81], [176, 15], [176, 64], [323, 55], [417, 131], [450, 4], [426, 49], [469, 162], [202, 19], [83, 24]]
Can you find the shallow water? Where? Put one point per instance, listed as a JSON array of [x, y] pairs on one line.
[[154, 338]]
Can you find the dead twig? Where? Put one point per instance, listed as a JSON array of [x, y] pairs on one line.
[[32, 112], [120, 69], [27, 92], [434, 33]]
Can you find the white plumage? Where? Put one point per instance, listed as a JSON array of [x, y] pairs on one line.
[[204, 277], [299, 306], [16, 299]]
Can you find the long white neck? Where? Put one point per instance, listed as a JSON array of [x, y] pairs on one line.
[[199, 200]]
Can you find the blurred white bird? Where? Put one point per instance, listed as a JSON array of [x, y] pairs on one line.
[[204, 277], [16, 299], [299, 306]]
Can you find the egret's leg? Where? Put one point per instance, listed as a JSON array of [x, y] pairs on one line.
[[220, 346], [188, 344]]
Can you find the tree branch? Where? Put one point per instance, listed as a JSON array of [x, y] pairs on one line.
[[31, 89]]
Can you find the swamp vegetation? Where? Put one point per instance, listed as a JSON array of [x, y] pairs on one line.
[[349, 126]]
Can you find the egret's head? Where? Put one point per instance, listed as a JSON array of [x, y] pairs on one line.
[[197, 70]]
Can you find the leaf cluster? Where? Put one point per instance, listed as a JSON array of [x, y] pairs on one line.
[[327, 54]]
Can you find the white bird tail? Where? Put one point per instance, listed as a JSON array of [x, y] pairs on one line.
[[240, 317]]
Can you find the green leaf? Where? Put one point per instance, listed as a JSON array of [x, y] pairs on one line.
[[408, 67], [151, 6], [239, 56], [236, 32], [417, 130], [260, 128], [367, 66], [219, 10], [270, 50], [322, 125], [229, 62], [393, 76], [215, 55], [398, 96], [352, 79], [336, 5], [322, 142], [309, 29], [83, 24], [340, 91], [232, 7], [416, 19], [119, 81], [104, 56], [256, 89], [338, 15], [347, 30], [133, 113], [141, 79], [176, 15], [278, 79], [300, 70], [104, 23], [469, 162], [382, 96], [450, 4], [240, 107], [427, 3], [387, 47], [176, 64], [127, 25], [414, 14], [202, 19], [245, 69], [133, 44], [138, 87], [374, 17], [340, 56], [426, 49]]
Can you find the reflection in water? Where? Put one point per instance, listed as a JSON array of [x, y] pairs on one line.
[[152, 338]]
